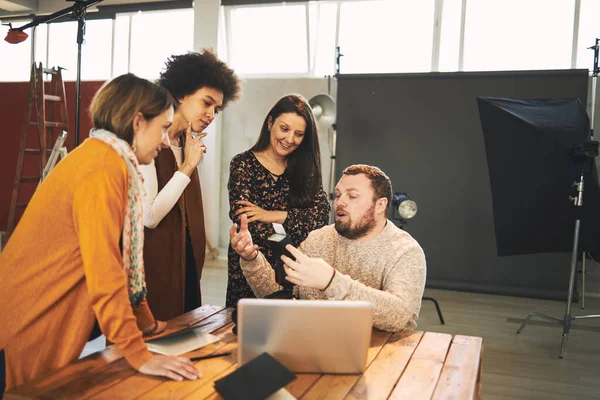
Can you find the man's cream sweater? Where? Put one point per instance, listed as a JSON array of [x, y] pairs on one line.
[[388, 270]]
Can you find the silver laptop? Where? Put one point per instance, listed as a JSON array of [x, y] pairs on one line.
[[307, 336]]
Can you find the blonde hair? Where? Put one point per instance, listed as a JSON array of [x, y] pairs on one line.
[[116, 103]]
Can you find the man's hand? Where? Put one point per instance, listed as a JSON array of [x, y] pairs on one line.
[[307, 271], [255, 213], [241, 241]]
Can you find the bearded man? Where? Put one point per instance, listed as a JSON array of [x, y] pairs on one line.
[[363, 256]]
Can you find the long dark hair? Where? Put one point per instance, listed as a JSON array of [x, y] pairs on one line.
[[303, 164]]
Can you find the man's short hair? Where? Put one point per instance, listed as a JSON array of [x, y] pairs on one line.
[[379, 180]]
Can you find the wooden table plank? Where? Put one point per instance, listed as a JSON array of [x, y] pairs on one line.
[[210, 369], [214, 396], [208, 389], [52, 383], [380, 378], [93, 382], [137, 384], [461, 372], [64, 376], [422, 374], [337, 386], [302, 384], [191, 318], [306, 381], [398, 366]]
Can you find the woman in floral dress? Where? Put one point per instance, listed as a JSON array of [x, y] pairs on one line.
[[277, 180]]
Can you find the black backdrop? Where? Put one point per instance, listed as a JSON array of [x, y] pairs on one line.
[[424, 131]]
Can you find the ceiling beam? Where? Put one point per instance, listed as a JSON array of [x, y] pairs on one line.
[[19, 5]]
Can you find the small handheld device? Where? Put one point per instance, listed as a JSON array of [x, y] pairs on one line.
[[278, 241]]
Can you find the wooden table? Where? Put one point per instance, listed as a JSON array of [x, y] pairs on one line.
[[424, 365]]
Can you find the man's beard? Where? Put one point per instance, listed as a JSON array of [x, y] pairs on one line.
[[362, 228]]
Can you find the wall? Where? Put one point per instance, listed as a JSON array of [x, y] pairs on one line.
[[241, 124], [206, 17], [424, 131], [13, 107], [234, 132]]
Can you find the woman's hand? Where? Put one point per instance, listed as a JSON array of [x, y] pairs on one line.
[[176, 368], [154, 329], [193, 151], [255, 213]]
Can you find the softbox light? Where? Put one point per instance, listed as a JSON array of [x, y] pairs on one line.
[[529, 146]]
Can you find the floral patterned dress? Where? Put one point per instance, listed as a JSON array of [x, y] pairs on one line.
[[250, 180]]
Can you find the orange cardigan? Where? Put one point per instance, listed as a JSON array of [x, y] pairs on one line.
[[62, 265]]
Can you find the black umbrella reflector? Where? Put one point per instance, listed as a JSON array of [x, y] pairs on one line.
[[530, 147]]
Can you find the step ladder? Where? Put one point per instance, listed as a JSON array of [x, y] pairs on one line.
[[46, 122]]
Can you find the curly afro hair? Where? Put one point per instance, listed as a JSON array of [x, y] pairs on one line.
[[184, 74]]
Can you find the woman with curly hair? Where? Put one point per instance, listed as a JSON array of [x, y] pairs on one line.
[[277, 180], [175, 243]]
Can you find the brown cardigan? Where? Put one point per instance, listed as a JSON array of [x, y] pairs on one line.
[[164, 246]]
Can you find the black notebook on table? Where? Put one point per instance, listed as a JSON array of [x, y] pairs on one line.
[[255, 380]]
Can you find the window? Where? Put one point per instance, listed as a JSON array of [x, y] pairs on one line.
[[518, 35], [62, 48], [96, 51], [121, 45], [41, 46], [589, 30], [155, 36], [386, 36], [322, 25], [268, 39], [222, 51], [299, 39], [16, 58], [450, 35]]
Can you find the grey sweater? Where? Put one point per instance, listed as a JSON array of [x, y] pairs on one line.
[[388, 270]]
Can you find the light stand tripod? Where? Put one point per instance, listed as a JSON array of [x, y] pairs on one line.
[[589, 150], [331, 186], [333, 139], [323, 107], [403, 209], [595, 70]]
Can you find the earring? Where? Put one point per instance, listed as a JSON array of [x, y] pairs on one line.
[[133, 146]]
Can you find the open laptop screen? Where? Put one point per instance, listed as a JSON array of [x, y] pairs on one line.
[[307, 336]]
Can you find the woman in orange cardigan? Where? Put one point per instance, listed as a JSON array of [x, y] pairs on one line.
[[63, 266]]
